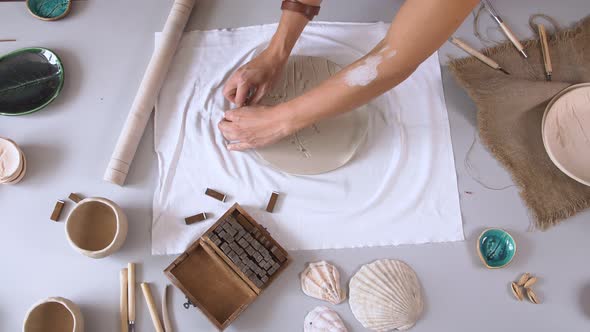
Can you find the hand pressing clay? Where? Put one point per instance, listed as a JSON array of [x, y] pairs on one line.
[[326, 145]]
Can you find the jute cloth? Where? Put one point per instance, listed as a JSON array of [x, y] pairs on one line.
[[510, 110]]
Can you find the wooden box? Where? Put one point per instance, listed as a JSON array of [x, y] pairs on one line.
[[228, 267]]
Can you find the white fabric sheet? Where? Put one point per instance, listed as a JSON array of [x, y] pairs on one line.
[[400, 188]]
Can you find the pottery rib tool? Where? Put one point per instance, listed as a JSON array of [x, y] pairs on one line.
[[131, 297], [545, 52], [148, 90], [123, 301], [505, 28], [480, 56], [147, 293], [165, 315]]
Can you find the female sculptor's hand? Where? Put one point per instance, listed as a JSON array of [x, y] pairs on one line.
[[254, 126], [256, 78]]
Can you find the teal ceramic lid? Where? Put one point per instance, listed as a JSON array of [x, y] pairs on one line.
[[30, 79], [496, 248], [49, 10]]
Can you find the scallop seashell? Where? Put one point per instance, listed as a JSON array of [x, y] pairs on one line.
[[322, 319], [386, 295], [321, 280]]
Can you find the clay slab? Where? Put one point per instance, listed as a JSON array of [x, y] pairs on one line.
[[326, 145]]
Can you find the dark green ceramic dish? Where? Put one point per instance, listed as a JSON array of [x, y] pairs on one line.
[[49, 10], [30, 79], [496, 248]]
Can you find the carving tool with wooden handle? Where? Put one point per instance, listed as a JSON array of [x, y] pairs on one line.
[[131, 297], [545, 51], [511, 36], [123, 303], [477, 54], [147, 293]]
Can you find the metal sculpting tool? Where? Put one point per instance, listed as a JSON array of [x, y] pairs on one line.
[[504, 28], [545, 51], [477, 54]]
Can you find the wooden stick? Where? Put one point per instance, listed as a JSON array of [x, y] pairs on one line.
[[165, 315], [131, 293], [545, 51], [480, 56], [147, 293], [123, 303], [148, 90]]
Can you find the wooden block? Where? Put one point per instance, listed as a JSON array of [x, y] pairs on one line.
[[232, 232], [273, 269], [196, 218], [57, 210], [264, 279], [245, 223], [272, 202], [215, 194], [278, 254], [75, 198]]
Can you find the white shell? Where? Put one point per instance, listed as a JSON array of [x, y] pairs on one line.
[[322, 319], [386, 295], [321, 280]]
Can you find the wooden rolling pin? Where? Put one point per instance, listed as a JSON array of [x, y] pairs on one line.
[[147, 293], [123, 303], [148, 90]]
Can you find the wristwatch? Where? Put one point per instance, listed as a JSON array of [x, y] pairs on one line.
[[296, 6]]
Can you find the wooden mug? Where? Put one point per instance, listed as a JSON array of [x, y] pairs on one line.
[[54, 314], [96, 227]]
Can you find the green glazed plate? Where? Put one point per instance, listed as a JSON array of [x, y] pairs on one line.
[[30, 79], [49, 10], [496, 248]]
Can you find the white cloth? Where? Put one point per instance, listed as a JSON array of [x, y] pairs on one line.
[[400, 188]]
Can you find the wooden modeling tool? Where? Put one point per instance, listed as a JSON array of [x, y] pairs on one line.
[[131, 297], [123, 301], [148, 90], [480, 56], [147, 293], [505, 28], [165, 315], [545, 51], [7, 40]]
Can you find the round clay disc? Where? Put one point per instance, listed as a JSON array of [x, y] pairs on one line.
[[326, 145], [566, 132], [10, 160]]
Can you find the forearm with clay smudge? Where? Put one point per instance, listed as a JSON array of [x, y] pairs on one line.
[[418, 30]]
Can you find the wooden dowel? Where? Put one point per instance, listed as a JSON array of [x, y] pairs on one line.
[[123, 302], [165, 314], [147, 293], [149, 88]]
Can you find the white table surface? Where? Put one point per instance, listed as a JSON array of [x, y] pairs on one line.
[[105, 46]]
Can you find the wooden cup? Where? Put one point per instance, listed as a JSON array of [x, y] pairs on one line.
[[96, 227], [54, 314]]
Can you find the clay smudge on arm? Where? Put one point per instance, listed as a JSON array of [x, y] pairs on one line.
[[367, 72]]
